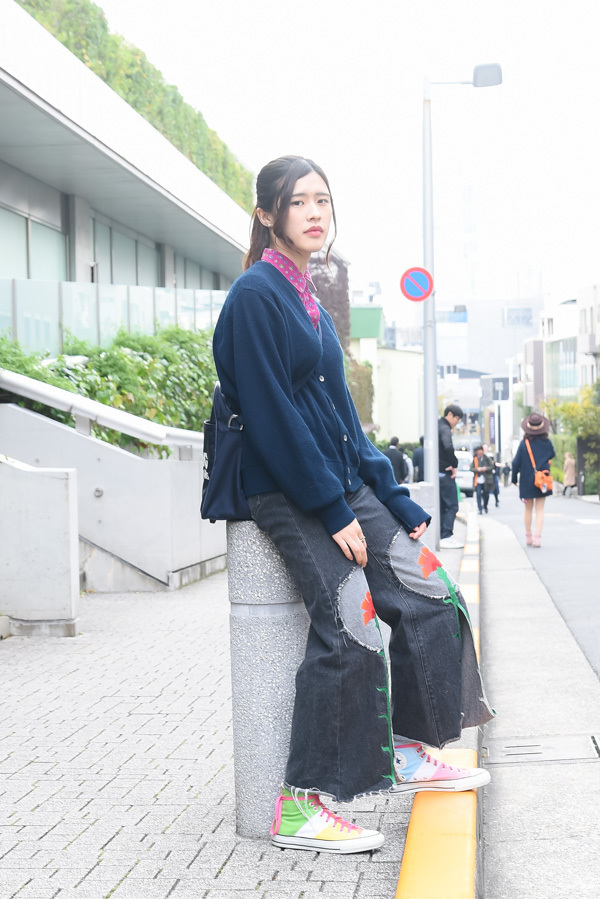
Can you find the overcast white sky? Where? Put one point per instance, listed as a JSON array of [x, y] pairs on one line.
[[516, 167]]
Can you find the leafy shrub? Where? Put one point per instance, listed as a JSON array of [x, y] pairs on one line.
[[167, 378]]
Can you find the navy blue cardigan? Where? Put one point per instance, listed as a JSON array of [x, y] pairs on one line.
[[543, 451], [305, 443]]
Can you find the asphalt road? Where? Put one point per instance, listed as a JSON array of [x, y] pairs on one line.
[[568, 562]]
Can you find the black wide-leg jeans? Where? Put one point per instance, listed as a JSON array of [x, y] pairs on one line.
[[346, 707]]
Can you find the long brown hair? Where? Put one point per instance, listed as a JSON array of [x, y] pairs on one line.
[[274, 188]]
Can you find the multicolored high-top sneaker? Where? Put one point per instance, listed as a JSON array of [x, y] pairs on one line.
[[417, 771], [302, 822]]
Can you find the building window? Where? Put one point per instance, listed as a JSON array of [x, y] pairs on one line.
[[29, 249], [457, 314], [192, 274], [124, 263], [517, 316], [13, 245], [122, 258], [147, 265], [48, 254]]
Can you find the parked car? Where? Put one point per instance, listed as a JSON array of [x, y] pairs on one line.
[[464, 475]]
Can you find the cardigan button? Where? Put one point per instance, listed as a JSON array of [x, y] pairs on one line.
[[345, 436], [321, 378]]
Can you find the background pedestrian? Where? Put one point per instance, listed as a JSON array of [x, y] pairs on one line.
[[448, 464], [536, 428], [418, 462], [396, 457], [409, 466], [569, 476], [483, 478]]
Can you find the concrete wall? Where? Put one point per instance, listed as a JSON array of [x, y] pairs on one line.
[[39, 561], [144, 511]]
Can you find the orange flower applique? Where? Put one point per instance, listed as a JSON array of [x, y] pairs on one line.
[[368, 608], [428, 562]]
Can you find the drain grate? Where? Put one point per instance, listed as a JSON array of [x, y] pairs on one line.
[[541, 749]]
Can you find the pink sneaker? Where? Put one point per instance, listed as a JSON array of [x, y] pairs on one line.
[[417, 771], [528, 539], [537, 539]]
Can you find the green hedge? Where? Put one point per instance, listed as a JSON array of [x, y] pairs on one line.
[[167, 378], [82, 27]]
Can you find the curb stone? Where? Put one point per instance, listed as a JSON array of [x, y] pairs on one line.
[[442, 850]]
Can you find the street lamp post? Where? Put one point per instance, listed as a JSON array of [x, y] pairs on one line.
[[483, 76]]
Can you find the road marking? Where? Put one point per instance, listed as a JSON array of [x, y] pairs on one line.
[[587, 520]]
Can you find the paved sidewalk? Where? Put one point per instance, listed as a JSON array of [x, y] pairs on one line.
[[116, 768], [117, 773], [541, 818]]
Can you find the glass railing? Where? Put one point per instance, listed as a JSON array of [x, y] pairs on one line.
[[39, 313]]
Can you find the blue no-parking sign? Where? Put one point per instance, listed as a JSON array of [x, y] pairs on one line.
[[416, 284]]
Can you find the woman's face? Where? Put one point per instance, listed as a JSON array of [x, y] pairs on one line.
[[309, 217]]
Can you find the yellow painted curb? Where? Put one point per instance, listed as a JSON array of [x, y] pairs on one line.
[[469, 565], [441, 845], [472, 548]]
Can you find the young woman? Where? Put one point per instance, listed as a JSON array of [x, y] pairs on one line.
[[349, 535], [536, 428]]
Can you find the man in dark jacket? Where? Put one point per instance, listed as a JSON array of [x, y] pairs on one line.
[[397, 459], [448, 467], [418, 462]]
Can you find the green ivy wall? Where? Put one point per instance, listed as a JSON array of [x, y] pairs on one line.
[[82, 27]]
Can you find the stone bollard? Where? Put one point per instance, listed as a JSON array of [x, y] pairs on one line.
[[268, 631]]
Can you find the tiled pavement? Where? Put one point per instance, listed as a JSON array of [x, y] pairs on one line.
[[116, 769]]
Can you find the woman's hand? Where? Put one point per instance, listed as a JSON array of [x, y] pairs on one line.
[[352, 542], [418, 532]]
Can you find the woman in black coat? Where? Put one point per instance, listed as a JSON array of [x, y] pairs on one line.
[[536, 429]]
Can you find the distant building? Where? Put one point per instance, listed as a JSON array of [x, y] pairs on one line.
[[397, 376], [588, 335], [560, 327]]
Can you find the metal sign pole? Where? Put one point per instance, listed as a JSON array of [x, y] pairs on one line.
[[431, 448]]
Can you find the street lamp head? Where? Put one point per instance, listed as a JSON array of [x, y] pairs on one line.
[[487, 75]]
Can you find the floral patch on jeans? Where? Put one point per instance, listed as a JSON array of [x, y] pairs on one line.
[[359, 620]]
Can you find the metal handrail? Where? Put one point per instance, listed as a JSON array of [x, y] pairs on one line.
[[86, 411]]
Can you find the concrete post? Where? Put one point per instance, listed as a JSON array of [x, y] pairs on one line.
[[268, 628], [81, 250], [39, 561]]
